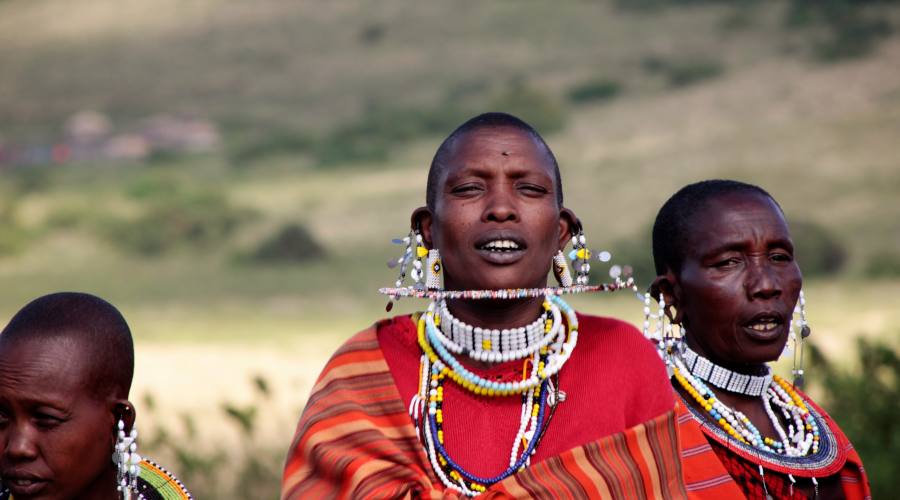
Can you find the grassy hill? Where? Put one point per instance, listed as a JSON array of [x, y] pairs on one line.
[[330, 113]]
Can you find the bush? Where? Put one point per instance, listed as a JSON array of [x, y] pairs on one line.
[[864, 401], [13, 239], [197, 220], [884, 264], [681, 73], [251, 471], [293, 243], [818, 252], [543, 112], [594, 90], [850, 31], [247, 148], [381, 129]]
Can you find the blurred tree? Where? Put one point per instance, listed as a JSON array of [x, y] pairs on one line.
[[863, 396]]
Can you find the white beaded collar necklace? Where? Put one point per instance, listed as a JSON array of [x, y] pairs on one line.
[[723, 378], [494, 345]]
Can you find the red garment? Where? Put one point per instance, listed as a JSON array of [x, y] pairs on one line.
[[716, 468], [614, 380]]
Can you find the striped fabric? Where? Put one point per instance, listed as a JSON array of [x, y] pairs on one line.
[[706, 477], [356, 440]]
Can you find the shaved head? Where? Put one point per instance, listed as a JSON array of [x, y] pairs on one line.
[[92, 329]]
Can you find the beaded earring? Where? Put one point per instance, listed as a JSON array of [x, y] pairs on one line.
[[412, 257], [127, 461], [799, 310], [561, 270], [580, 256], [667, 343], [433, 273]]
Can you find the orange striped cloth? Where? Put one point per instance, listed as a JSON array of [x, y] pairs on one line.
[[705, 477], [355, 439]]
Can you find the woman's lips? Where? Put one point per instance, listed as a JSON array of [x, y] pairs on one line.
[[504, 257], [24, 486], [765, 327]]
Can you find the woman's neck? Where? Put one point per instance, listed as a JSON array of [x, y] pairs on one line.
[[104, 487], [496, 314]]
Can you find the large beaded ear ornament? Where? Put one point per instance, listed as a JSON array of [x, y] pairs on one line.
[[411, 260], [796, 339], [660, 331], [127, 461], [580, 256]]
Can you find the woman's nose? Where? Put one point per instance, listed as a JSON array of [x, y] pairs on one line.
[[762, 281], [20, 444], [501, 206]]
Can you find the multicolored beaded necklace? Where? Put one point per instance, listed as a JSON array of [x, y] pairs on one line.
[[801, 438], [544, 345]]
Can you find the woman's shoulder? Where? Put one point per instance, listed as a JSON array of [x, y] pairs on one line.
[[157, 483]]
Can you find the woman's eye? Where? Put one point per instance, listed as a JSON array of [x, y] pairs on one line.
[[47, 421], [726, 263], [781, 257], [532, 189], [466, 189]]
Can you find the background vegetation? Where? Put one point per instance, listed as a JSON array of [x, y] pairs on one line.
[[241, 268]]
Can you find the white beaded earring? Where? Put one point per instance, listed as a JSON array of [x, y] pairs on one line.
[[580, 256], [798, 340], [127, 461], [433, 273], [663, 333], [561, 270], [412, 257]]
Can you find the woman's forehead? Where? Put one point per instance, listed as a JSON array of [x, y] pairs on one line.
[[733, 218], [490, 150], [52, 369]]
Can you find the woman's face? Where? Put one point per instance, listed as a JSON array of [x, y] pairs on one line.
[[739, 282], [496, 220], [56, 436]]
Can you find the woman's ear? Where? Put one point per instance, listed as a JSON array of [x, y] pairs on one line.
[[421, 220], [122, 409], [667, 286], [568, 224]]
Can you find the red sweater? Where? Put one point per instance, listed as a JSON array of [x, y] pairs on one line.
[[613, 380]]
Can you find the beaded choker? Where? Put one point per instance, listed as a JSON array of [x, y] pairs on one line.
[[723, 378], [495, 345]]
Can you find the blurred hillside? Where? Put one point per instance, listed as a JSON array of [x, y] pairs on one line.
[[263, 249]]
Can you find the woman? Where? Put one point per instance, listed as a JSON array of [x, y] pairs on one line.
[[66, 363], [458, 400], [727, 276]]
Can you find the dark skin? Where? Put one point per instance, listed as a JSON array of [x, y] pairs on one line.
[[56, 430], [497, 185], [735, 294]]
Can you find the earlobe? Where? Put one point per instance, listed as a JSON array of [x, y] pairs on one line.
[[666, 285], [123, 410], [421, 220], [568, 225]]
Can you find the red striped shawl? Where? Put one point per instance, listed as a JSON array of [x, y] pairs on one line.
[[356, 440]]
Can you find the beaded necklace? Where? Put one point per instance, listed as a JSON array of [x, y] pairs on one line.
[[723, 378], [544, 345], [801, 438]]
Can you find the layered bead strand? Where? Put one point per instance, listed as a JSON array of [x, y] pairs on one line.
[[801, 438], [544, 345]]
